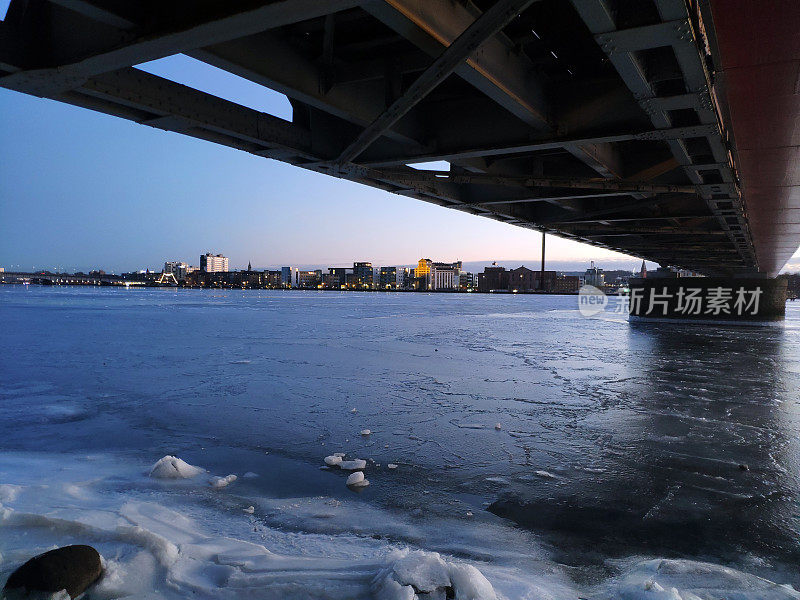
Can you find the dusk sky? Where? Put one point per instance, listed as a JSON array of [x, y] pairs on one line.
[[81, 190]]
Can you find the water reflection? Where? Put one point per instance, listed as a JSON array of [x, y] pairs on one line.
[[698, 452]]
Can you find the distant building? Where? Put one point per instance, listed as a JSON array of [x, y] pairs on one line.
[[213, 263], [444, 276], [522, 279], [568, 284], [362, 275], [308, 279], [179, 269], [288, 276], [594, 276], [336, 277], [467, 281], [392, 278], [643, 271], [493, 278]]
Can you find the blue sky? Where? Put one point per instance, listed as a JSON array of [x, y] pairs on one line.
[[79, 189]]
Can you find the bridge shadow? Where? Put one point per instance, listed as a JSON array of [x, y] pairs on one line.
[[701, 461]]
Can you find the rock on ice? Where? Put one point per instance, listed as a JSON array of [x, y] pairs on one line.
[[221, 482], [357, 479], [171, 467], [333, 460], [353, 465]]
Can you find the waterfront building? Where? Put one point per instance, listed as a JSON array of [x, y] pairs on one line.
[[213, 263], [493, 278], [566, 284], [643, 271], [444, 276], [308, 279], [177, 268], [467, 281], [336, 277], [594, 276], [288, 276], [362, 275], [392, 278], [272, 279]]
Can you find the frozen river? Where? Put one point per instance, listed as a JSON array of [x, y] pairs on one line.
[[560, 456]]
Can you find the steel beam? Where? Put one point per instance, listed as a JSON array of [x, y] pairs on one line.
[[175, 107], [533, 145], [483, 28], [499, 71], [197, 32]]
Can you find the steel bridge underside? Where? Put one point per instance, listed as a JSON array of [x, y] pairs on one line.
[[595, 120]]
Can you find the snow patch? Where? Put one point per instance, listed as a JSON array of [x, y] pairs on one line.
[[410, 573], [171, 467]]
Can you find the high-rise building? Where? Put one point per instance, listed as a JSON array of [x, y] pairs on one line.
[[213, 263]]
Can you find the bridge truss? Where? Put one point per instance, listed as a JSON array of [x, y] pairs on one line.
[[594, 120]]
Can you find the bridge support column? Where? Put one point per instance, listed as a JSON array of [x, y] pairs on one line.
[[750, 300]]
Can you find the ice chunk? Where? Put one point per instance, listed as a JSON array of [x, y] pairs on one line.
[[498, 426], [392, 466], [340, 454], [221, 482], [8, 492], [249, 510], [353, 410], [365, 432], [171, 467], [250, 475], [353, 465], [357, 479], [545, 474], [410, 573], [333, 460]]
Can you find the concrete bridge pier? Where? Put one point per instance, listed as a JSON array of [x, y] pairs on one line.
[[747, 300]]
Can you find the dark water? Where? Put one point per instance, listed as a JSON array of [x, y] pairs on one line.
[[614, 439]]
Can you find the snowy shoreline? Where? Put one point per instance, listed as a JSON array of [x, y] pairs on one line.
[[176, 536]]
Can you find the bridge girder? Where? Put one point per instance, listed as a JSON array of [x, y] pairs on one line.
[[562, 117]]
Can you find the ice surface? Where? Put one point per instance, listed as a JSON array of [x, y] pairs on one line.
[[171, 467]]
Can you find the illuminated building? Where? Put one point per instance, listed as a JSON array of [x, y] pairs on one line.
[[213, 263]]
